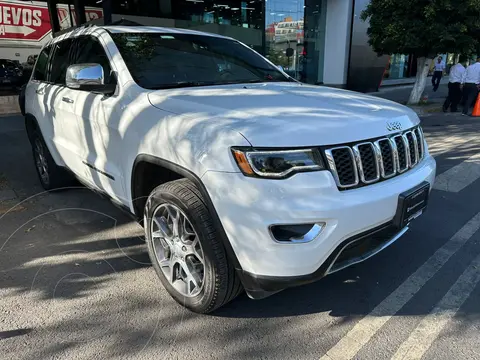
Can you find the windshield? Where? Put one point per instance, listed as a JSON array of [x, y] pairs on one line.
[[162, 61]]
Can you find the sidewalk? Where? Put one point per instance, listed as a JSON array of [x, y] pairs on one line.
[[397, 82], [392, 83], [400, 94]]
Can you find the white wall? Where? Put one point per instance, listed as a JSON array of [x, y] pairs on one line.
[[337, 42], [10, 48], [21, 53]]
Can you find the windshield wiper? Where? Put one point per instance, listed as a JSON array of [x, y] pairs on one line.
[[184, 84], [252, 81]]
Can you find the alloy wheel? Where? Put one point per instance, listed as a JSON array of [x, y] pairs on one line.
[[178, 250]]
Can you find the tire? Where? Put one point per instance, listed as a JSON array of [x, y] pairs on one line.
[[51, 175], [221, 283], [21, 99]]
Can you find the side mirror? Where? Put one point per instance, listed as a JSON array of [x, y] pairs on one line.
[[88, 77]]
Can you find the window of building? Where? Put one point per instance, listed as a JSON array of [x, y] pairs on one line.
[[285, 17], [137, 7], [300, 26], [246, 14]]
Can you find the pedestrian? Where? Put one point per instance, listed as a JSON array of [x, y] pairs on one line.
[[470, 81], [439, 68], [455, 85]]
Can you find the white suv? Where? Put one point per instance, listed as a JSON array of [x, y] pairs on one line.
[[243, 177]]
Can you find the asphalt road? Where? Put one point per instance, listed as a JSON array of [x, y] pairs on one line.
[[75, 282]]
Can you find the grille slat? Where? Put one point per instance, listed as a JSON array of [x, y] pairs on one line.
[[370, 162], [419, 135], [402, 153], [367, 162], [411, 145], [388, 160], [345, 166]]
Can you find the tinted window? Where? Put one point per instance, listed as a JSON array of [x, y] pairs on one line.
[[40, 72], [158, 60], [61, 61], [89, 50]]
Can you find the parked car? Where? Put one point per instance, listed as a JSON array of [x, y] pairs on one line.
[[10, 74], [242, 177]]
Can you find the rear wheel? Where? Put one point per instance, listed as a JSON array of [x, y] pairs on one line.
[[185, 249], [50, 174]]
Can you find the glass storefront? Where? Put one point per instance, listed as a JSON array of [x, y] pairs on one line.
[[242, 20], [294, 38], [398, 67], [289, 32]]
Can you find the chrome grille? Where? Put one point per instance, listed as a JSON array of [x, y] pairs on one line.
[[369, 162], [419, 134], [413, 146], [342, 163], [403, 156], [388, 158]]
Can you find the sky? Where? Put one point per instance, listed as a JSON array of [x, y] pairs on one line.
[[277, 10]]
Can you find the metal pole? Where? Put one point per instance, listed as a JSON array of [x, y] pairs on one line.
[[52, 12], [107, 11], [80, 12], [70, 13]]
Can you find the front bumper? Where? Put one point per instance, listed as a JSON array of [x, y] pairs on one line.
[[248, 206], [351, 251]]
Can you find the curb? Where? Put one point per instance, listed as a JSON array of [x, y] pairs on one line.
[[426, 110]]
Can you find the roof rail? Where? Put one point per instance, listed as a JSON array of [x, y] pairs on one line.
[[73, 28], [125, 22]]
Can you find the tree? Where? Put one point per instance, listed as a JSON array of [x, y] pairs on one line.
[[423, 28], [278, 57]]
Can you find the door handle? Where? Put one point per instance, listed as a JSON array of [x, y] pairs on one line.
[[40, 92], [67, 100]]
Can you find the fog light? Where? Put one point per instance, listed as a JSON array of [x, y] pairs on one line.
[[301, 233]]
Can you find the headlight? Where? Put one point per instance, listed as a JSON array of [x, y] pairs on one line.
[[277, 164]]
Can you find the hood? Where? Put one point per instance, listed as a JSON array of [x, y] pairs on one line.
[[288, 114]]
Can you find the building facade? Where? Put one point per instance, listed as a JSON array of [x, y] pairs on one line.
[[315, 41]]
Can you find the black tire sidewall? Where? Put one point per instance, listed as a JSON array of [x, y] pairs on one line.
[[201, 302], [58, 177], [36, 136]]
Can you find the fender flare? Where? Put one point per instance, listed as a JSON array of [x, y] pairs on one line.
[[30, 118], [180, 170]]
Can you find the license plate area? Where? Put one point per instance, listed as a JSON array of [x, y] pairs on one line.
[[411, 204]]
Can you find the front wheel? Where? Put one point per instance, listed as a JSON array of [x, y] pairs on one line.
[[185, 249]]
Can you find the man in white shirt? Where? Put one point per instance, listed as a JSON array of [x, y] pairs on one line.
[[439, 67], [455, 85], [470, 81]]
